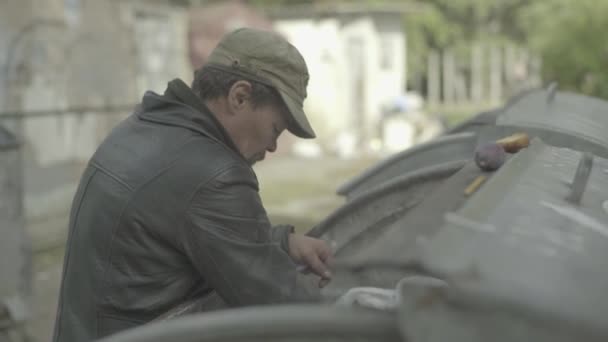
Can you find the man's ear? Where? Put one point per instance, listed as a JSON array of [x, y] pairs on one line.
[[239, 96]]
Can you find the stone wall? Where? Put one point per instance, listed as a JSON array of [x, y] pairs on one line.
[[72, 69]]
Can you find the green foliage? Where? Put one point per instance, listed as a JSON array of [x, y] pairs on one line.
[[569, 36], [456, 24]]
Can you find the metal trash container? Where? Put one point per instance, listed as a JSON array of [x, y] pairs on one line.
[[15, 256]]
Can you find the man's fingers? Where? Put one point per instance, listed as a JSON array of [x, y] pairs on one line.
[[304, 269], [323, 282], [323, 251], [327, 257], [317, 266], [313, 255]]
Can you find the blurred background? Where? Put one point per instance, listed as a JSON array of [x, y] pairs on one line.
[[385, 76]]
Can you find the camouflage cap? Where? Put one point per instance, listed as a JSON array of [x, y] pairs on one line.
[[266, 57]]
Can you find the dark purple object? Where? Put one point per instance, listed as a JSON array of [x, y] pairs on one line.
[[490, 156]]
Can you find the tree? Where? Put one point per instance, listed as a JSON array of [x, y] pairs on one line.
[[457, 24], [569, 36]]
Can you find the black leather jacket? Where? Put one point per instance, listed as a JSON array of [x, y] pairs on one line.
[[167, 210]]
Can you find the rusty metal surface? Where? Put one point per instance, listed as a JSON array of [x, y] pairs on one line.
[[441, 150]]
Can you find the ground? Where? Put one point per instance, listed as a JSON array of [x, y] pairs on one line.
[[296, 191]]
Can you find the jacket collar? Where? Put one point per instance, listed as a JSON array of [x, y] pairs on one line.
[[179, 106]]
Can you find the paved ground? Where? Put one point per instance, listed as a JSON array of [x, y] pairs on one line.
[[47, 276], [297, 191]]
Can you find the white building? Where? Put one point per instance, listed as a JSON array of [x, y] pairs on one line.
[[357, 61]]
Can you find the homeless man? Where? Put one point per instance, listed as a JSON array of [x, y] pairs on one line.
[[167, 209]]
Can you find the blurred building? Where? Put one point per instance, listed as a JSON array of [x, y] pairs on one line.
[[207, 25], [356, 57], [69, 71]]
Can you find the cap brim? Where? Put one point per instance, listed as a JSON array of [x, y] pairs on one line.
[[299, 125]]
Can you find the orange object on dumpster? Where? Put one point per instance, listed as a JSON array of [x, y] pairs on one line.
[[514, 142]]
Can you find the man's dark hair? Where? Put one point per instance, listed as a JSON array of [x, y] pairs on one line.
[[211, 83]]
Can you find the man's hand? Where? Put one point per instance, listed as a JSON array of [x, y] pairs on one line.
[[313, 253]]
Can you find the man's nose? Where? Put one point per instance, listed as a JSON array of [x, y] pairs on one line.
[[272, 147]]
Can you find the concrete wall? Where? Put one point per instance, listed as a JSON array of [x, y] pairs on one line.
[[160, 34], [73, 54], [13, 14]]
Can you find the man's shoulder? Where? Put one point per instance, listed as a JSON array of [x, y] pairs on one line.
[[138, 154], [236, 174], [212, 161]]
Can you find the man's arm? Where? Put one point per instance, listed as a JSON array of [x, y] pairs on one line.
[[228, 239], [280, 234], [311, 254]]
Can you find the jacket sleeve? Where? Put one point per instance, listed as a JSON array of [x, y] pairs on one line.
[[229, 241], [280, 234]]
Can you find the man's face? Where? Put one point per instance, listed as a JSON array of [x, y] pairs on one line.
[[265, 123], [254, 129]]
